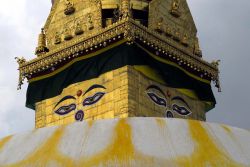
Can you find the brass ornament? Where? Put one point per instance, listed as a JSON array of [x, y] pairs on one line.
[[78, 28], [58, 38], [168, 31], [216, 63], [67, 32], [177, 35], [90, 24], [69, 8], [175, 8], [185, 39], [42, 47], [159, 27]]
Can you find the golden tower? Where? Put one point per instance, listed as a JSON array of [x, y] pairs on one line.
[[100, 59], [123, 59]]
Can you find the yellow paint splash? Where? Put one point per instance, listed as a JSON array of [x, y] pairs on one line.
[[120, 150], [161, 123], [226, 128], [4, 141], [90, 123], [206, 152], [47, 153]]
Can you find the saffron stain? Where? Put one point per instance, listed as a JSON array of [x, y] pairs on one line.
[[47, 153], [4, 141], [122, 152], [206, 152]]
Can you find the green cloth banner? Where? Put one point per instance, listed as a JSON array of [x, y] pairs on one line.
[[112, 59]]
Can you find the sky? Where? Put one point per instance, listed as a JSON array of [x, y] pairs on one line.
[[224, 33]]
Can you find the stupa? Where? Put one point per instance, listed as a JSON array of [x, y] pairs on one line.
[[132, 75]]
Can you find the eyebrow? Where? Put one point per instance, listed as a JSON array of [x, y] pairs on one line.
[[157, 88], [94, 87], [65, 98], [180, 99]]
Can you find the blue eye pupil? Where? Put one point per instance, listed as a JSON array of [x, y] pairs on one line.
[[65, 109], [181, 110], [93, 99], [158, 100]]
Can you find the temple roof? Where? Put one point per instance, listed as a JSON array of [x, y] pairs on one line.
[[76, 28]]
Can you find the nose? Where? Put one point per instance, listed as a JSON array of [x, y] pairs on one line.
[[169, 114], [79, 116]]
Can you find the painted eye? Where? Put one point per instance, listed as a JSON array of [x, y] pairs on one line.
[[65, 109], [156, 99], [93, 99], [181, 110]]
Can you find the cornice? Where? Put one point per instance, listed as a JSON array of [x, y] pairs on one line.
[[125, 28]]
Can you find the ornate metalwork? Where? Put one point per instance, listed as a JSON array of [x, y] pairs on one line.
[[175, 38]]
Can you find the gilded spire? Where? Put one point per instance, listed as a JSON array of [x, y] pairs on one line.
[[41, 48]]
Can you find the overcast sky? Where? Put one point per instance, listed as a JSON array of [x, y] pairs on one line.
[[224, 32]]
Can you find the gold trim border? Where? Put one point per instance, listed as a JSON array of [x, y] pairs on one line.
[[76, 60]]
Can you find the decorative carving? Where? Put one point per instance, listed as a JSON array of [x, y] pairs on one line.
[[125, 8], [67, 32], [41, 48], [20, 61], [90, 24], [78, 27], [70, 9], [175, 8], [184, 40], [131, 30], [159, 27], [168, 30], [216, 63], [177, 35], [57, 38]]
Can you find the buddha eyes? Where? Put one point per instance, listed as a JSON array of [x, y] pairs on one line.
[[93, 99], [65, 109], [181, 110], [158, 100]]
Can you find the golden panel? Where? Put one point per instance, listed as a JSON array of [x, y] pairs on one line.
[[129, 94], [173, 18], [85, 17]]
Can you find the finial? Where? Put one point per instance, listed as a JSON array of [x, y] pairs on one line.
[[41, 48]]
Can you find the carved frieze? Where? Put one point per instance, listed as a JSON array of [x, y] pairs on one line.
[[174, 19], [82, 16]]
